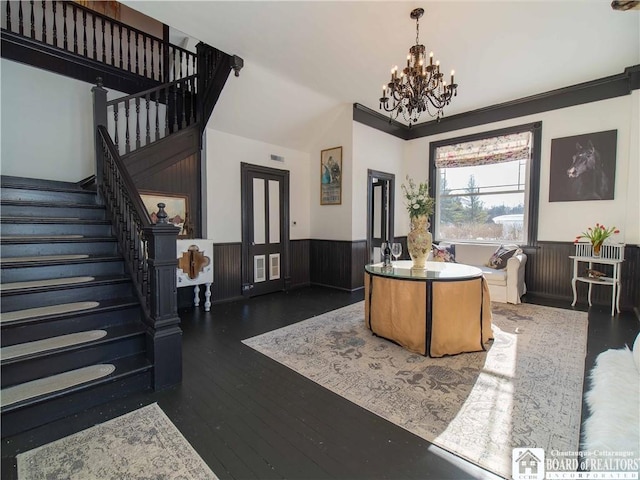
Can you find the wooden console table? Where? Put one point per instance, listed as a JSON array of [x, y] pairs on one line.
[[609, 255], [442, 310]]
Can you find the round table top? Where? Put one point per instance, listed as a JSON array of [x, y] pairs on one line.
[[401, 269]]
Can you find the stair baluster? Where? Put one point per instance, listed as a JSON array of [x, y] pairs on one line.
[[8, 16], [120, 44], [44, 23], [147, 99], [157, 115], [20, 19], [33, 21], [75, 29], [95, 40], [127, 145], [137, 63], [65, 36], [84, 33], [144, 56], [137, 122], [104, 48], [55, 27], [113, 59]]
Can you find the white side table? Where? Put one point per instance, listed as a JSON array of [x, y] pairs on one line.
[[610, 255], [203, 274]]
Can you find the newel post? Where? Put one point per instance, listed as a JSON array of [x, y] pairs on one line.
[[99, 118], [164, 337]]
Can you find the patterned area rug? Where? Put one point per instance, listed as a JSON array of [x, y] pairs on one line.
[[143, 444], [525, 391]]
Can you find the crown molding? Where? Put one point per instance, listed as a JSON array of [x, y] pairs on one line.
[[595, 90]]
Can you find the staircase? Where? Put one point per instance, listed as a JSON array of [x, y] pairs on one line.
[[72, 331]]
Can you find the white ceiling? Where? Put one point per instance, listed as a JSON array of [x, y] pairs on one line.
[[304, 59]]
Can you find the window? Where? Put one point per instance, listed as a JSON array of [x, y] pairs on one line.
[[482, 185]]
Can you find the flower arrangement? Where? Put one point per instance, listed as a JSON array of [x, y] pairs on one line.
[[417, 199], [597, 235]]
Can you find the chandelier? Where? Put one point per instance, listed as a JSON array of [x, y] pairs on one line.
[[419, 87]]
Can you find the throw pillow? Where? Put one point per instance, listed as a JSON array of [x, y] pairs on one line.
[[499, 258], [444, 253]]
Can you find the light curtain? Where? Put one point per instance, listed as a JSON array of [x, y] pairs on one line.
[[506, 148]]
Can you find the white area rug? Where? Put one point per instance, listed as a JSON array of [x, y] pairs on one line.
[[525, 391], [143, 444]]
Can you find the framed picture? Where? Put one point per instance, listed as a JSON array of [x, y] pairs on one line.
[[583, 167], [331, 176], [176, 206]]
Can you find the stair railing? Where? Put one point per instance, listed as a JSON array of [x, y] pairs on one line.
[[140, 119], [149, 251], [92, 35]]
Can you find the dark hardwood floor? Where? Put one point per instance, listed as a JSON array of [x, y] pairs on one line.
[[250, 417]]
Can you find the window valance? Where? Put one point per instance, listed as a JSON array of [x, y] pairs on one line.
[[506, 148]]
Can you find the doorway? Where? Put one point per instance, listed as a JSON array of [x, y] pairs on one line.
[[380, 209], [265, 229]]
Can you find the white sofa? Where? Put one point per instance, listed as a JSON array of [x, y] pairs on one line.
[[505, 286]]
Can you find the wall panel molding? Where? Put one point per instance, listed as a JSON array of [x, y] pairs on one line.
[[227, 273], [338, 263], [300, 273], [549, 271]]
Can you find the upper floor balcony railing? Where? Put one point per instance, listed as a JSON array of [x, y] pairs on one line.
[[79, 30]]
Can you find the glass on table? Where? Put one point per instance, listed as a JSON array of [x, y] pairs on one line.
[[396, 250]]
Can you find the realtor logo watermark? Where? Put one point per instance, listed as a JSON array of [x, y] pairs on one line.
[[527, 464], [533, 464]]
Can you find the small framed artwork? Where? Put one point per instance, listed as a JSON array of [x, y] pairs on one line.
[[583, 167], [331, 176], [176, 206]]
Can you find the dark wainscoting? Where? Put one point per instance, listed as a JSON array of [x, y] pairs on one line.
[[338, 263], [227, 272], [181, 177], [549, 271], [299, 262]]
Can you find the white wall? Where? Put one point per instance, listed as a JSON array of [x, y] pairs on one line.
[[225, 153], [562, 221], [375, 150], [333, 222], [46, 124]]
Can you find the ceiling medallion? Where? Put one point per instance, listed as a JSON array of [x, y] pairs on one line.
[[419, 87]]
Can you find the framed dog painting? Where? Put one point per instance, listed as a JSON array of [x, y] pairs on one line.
[[583, 167]]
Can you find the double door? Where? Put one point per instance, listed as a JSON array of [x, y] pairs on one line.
[[265, 229]]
